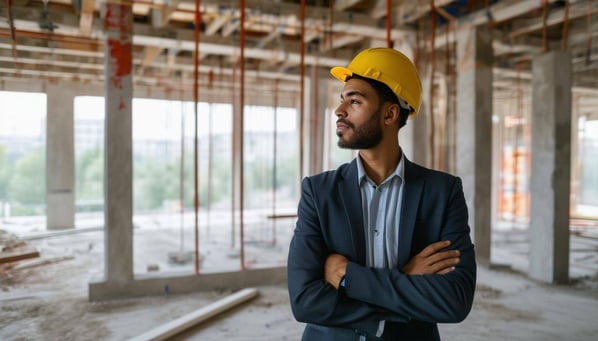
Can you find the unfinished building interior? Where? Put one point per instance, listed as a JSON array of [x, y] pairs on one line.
[[151, 154]]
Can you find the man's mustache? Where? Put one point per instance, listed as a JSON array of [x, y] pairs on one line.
[[345, 122]]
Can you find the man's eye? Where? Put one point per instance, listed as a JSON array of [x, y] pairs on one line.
[[354, 101]]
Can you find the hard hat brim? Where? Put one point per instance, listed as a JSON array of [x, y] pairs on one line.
[[341, 73]]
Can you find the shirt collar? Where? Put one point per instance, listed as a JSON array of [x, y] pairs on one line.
[[399, 171]]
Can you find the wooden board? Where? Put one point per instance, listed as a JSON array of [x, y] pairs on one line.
[[8, 257], [184, 322]]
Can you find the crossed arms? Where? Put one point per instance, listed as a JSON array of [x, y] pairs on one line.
[[435, 285], [434, 259]]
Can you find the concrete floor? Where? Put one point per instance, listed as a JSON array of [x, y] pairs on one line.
[[49, 301]]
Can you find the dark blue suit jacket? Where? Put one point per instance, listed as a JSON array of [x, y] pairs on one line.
[[330, 221]]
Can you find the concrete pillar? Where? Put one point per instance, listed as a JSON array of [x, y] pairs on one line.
[[60, 159], [414, 138], [551, 167], [317, 116], [474, 131], [118, 180]]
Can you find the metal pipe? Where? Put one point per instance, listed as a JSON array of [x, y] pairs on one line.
[[330, 23], [196, 138], [242, 105], [544, 26], [182, 173], [302, 89], [432, 71], [13, 34], [274, 150], [233, 193], [566, 25], [515, 158], [210, 155], [589, 26], [388, 22]]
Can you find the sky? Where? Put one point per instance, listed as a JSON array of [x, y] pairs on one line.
[[21, 113]]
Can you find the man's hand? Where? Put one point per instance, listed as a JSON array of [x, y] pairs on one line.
[[432, 260], [334, 269]]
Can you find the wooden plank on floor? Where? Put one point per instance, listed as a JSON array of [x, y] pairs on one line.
[[8, 257], [184, 322]]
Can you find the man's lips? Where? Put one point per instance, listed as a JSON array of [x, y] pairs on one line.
[[343, 125]]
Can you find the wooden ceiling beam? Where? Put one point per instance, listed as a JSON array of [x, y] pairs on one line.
[[86, 18], [161, 14], [217, 24]]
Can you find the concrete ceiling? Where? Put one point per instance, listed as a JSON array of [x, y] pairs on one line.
[[64, 39]]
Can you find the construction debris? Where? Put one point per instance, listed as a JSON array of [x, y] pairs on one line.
[[12, 249], [185, 322]]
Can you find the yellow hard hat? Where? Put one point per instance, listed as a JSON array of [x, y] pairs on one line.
[[390, 67]]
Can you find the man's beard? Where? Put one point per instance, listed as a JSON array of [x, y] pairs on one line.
[[366, 136]]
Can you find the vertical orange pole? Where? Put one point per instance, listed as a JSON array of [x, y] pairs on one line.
[[566, 25], [210, 153], [432, 71], [302, 90], [274, 138], [388, 22], [418, 40], [330, 21], [182, 172], [517, 126], [589, 30], [454, 97], [233, 165], [544, 27], [13, 31], [447, 72], [196, 138], [242, 104]]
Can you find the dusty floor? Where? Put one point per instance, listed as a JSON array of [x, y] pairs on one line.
[[46, 299]]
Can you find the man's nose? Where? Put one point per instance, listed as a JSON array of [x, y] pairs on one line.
[[340, 111]]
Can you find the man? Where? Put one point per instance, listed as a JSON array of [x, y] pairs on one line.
[[381, 249]]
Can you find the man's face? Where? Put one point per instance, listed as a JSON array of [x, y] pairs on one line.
[[358, 125]]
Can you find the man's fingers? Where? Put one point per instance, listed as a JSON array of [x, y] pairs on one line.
[[433, 259], [445, 271], [440, 256], [434, 247], [445, 264]]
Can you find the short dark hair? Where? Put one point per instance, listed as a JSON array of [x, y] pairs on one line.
[[385, 95]]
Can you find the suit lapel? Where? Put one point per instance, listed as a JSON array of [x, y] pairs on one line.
[[351, 199], [412, 192]]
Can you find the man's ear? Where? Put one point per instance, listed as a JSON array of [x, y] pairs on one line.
[[391, 114]]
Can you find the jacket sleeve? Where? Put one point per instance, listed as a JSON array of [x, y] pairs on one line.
[[430, 298], [313, 300]]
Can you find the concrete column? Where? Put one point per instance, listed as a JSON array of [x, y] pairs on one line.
[[415, 136], [412, 137], [60, 159], [551, 167], [474, 131], [317, 116], [118, 144]]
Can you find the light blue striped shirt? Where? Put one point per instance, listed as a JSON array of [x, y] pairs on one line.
[[381, 207]]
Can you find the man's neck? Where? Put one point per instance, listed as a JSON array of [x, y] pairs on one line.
[[379, 163]]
